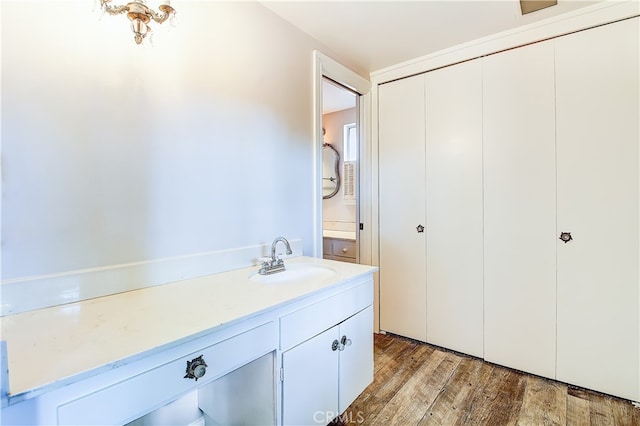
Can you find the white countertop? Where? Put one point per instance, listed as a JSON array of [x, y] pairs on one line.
[[343, 235], [49, 345]]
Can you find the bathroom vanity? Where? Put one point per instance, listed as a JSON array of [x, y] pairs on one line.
[[339, 245], [230, 348], [339, 249]]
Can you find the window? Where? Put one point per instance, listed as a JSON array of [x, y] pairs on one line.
[[350, 142], [349, 163]]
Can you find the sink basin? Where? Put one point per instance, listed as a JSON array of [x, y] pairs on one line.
[[295, 272]]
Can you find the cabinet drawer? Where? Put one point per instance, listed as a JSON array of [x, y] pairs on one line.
[[344, 248], [339, 249], [309, 321], [160, 384]]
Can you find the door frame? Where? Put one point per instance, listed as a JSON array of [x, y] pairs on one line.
[[324, 66]]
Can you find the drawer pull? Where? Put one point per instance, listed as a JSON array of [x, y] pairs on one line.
[[344, 249], [196, 368]]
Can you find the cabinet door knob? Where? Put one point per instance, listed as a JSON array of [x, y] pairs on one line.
[[420, 229], [345, 342], [566, 237], [335, 345]]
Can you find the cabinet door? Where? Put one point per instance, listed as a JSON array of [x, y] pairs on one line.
[[454, 207], [402, 208], [520, 209], [597, 130], [356, 357], [310, 385]]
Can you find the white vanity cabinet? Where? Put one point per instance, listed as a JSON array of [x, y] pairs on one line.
[[162, 383], [130, 368], [125, 393], [323, 374]]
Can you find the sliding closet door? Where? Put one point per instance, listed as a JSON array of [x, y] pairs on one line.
[[454, 207], [598, 195], [402, 208], [520, 209]]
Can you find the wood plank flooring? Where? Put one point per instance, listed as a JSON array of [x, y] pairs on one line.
[[419, 384]]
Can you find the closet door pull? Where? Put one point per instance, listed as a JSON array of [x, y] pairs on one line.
[[566, 237]]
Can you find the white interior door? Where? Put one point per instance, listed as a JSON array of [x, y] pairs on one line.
[[597, 130], [520, 209], [454, 207], [402, 208]]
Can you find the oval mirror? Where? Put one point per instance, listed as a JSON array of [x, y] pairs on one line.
[[330, 171]]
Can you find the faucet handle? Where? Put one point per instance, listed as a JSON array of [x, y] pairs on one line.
[[265, 259]]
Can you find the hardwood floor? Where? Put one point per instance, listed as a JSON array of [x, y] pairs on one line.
[[419, 384]]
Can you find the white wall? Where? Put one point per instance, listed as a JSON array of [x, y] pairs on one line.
[[335, 208], [115, 153]]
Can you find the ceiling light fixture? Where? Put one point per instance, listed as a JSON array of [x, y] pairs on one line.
[[528, 6], [140, 15]]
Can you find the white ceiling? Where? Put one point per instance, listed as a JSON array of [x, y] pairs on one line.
[[336, 98], [377, 34]]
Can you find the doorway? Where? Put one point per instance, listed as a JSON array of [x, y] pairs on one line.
[[340, 172], [326, 67]]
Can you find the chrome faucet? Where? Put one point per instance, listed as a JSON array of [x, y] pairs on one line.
[[275, 242], [273, 264]]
